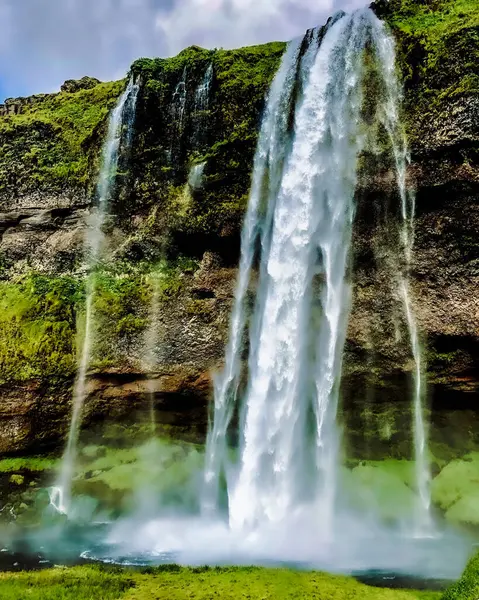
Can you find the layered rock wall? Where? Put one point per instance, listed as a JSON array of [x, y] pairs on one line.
[[187, 232]]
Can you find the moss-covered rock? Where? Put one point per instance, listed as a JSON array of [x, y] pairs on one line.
[[52, 144], [219, 131], [383, 488], [49, 159], [160, 472]]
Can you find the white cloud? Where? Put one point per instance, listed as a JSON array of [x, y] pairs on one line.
[[44, 42]]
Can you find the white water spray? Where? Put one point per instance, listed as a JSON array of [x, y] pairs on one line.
[[122, 116]]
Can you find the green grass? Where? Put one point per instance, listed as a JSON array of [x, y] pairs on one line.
[[467, 588], [175, 583], [444, 35], [433, 19], [86, 583]]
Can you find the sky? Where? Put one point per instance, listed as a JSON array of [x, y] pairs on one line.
[[45, 42]]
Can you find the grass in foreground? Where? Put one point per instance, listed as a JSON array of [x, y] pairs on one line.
[[175, 583], [467, 588], [83, 583]]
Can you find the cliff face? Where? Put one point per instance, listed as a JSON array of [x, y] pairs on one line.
[[181, 193]]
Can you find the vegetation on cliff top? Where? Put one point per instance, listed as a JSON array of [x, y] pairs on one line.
[[53, 143], [438, 52]]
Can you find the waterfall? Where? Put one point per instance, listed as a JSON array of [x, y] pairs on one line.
[[122, 117], [271, 150], [195, 177], [301, 208], [151, 338], [202, 95], [291, 373], [200, 129], [179, 102], [390, 118]]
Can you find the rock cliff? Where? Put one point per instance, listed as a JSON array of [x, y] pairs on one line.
[[175, 226]]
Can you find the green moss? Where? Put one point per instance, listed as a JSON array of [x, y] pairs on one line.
[[32, 464], [383, 487], [467, 588], [17, 479], [120, 305], [37, 329], [54, 142], [166, 469]]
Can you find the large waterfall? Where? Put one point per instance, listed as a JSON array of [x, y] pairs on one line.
[[301, 210], [275, 488], [121, 117]]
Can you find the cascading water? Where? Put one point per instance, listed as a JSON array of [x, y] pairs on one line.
[[202, 95], [151, 339], [122, 116], [179, 102], [390, 119], [310, 237], [302, 207], [271, 151], [200, 134]]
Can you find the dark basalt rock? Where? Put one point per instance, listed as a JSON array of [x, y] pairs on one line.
[[74, 85]]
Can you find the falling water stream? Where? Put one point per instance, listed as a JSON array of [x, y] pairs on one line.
[[390, 117], [303, 216], [202, 95], [121, 117]]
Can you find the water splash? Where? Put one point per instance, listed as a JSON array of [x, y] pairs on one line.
[[122, 116]]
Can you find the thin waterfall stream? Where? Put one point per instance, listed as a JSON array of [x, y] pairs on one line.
[[122, 116], [390, 118]]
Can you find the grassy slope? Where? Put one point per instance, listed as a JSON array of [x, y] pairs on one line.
[[90, 583], [49, 143]]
